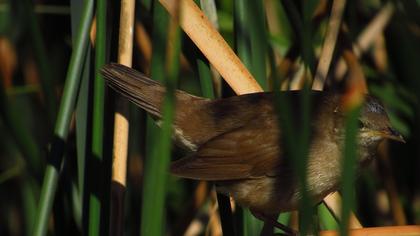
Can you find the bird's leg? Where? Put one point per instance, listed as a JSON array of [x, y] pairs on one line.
[[272, 220], [267, 229]]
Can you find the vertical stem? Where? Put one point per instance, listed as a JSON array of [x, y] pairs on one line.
[[71, 86], [150, 216], [121, 125], [156, 174], [96, 194], [251, 45], [348, 168]]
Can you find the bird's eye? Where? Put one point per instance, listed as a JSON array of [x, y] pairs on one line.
[[361, 125]]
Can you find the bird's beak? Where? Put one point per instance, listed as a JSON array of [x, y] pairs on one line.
[[391, 133]]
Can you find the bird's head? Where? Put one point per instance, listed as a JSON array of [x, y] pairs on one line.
[[374, 124]]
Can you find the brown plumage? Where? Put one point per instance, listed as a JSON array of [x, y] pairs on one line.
[[236, 141]]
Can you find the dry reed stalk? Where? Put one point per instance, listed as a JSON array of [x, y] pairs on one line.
[[121, 124], [301, 75], [144, 45], [356, 80], [92, 33], [368, 36], [333, 203], [272, 17], [187, 221], [209, 9], [201, 31], [194, 226], [213, 227], [287, 63], [8, 62], [125, 49], [408, 230], [329, 44], [380, 54]]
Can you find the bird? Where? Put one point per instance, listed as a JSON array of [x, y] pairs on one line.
[[237, 141]]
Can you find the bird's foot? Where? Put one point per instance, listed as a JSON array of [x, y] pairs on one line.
[[273, 221]]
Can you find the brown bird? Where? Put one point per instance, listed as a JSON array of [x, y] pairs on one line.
[[236, 141]]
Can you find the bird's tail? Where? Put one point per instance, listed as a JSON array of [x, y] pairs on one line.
[[139, 89]]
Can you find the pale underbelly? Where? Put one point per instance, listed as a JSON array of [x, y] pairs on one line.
[[271, 195]]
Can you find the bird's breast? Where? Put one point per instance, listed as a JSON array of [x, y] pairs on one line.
[[280, 193], [323, 168]]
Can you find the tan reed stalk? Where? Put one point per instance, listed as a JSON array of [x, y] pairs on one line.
[[201, 31], [408, 230], [329, 44], [121, 124]]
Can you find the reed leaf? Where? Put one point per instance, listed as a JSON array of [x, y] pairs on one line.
[[97, 195], [158, 141], [348, 168], [67, 105]]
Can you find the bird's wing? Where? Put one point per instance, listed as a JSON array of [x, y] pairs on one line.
[[246, 152]]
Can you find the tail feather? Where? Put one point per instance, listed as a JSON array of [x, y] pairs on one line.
[[141, 90]]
